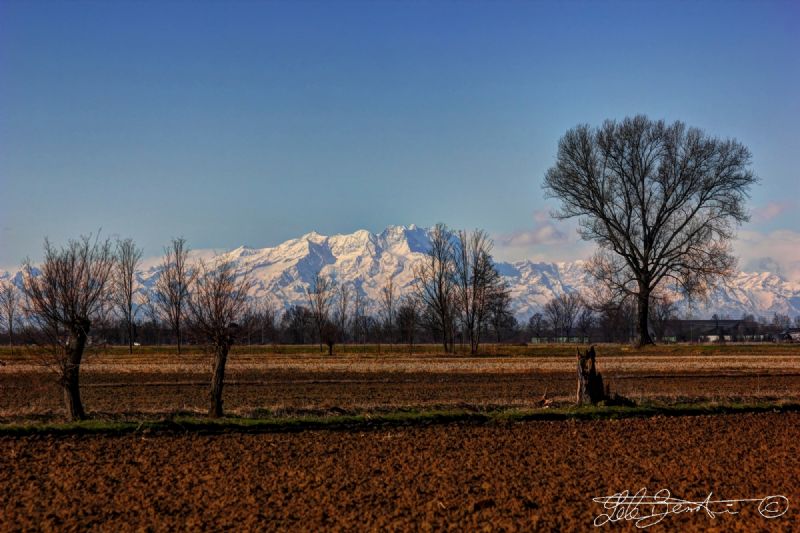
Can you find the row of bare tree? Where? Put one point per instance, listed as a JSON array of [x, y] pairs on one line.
[[76, 285]]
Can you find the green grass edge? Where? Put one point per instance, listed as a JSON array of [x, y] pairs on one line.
[[184, 424]]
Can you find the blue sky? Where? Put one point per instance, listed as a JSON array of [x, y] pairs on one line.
[[250, 123]]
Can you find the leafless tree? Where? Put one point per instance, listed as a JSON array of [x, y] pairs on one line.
[[387, 309], [320, 298], [266, 319], [9, 308], [128, 257], [536, 326], [476, 282], [343, 309], [408, 318], [662, 201], [662, 309], [358, 322], [584, 323], [435, 286], [781, 321], [216, 305], [297, 323], [500, 316], [172, 286], [63, 297], [562, 310], [152, 313]]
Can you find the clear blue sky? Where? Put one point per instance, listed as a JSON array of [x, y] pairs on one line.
[[250, 123]]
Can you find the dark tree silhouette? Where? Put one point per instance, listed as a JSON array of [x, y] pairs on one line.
[[662, 201]]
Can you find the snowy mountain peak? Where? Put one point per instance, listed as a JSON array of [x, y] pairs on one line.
[[367, 261]]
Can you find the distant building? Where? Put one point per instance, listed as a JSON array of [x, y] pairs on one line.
[[788, 335], [714, 330]]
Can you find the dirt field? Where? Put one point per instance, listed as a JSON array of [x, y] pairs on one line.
[[522, 476], [116, 385]]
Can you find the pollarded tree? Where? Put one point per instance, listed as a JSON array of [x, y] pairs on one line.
[[661, 200], [217, 303], [63, 298]]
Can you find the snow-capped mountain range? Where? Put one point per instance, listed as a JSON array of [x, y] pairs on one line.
[[367, 260]]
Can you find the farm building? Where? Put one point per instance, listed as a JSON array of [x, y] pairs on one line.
[[713, 330]]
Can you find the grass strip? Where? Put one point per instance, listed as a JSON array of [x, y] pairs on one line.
[[185, 424]]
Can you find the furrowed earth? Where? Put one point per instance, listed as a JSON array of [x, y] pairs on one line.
[[495, 475], [519, 476]]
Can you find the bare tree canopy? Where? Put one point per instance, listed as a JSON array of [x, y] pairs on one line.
[[320, 295], [124, 283], [434, 284], [63, 298], [172, 286], [387, 303], [476, 282], [562, 311], [661, 200], [217, 304]]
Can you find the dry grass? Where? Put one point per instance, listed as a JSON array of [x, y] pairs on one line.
[[682, 359]]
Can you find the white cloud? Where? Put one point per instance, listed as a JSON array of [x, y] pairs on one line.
[[777, 251], [548, 240], [771, 210]]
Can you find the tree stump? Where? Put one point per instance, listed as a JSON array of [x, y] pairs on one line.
[[590, 382]]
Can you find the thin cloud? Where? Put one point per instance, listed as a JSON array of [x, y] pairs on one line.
[[771, 210]]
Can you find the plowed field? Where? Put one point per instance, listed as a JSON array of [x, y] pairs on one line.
[[522, 476]]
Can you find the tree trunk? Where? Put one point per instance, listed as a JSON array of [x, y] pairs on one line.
[[70, 379], [218, 380], [590, 382], [130, 337], [642, 317]]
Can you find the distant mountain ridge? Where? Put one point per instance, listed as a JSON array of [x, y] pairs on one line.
[[367, 260]]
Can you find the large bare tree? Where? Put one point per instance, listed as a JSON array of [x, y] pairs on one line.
[[124, 283], [63, 297], [661, 200], [217, 303], [434, 283], [9, 308], [172, 285]]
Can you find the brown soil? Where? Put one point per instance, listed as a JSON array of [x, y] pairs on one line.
[[523, 476]]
